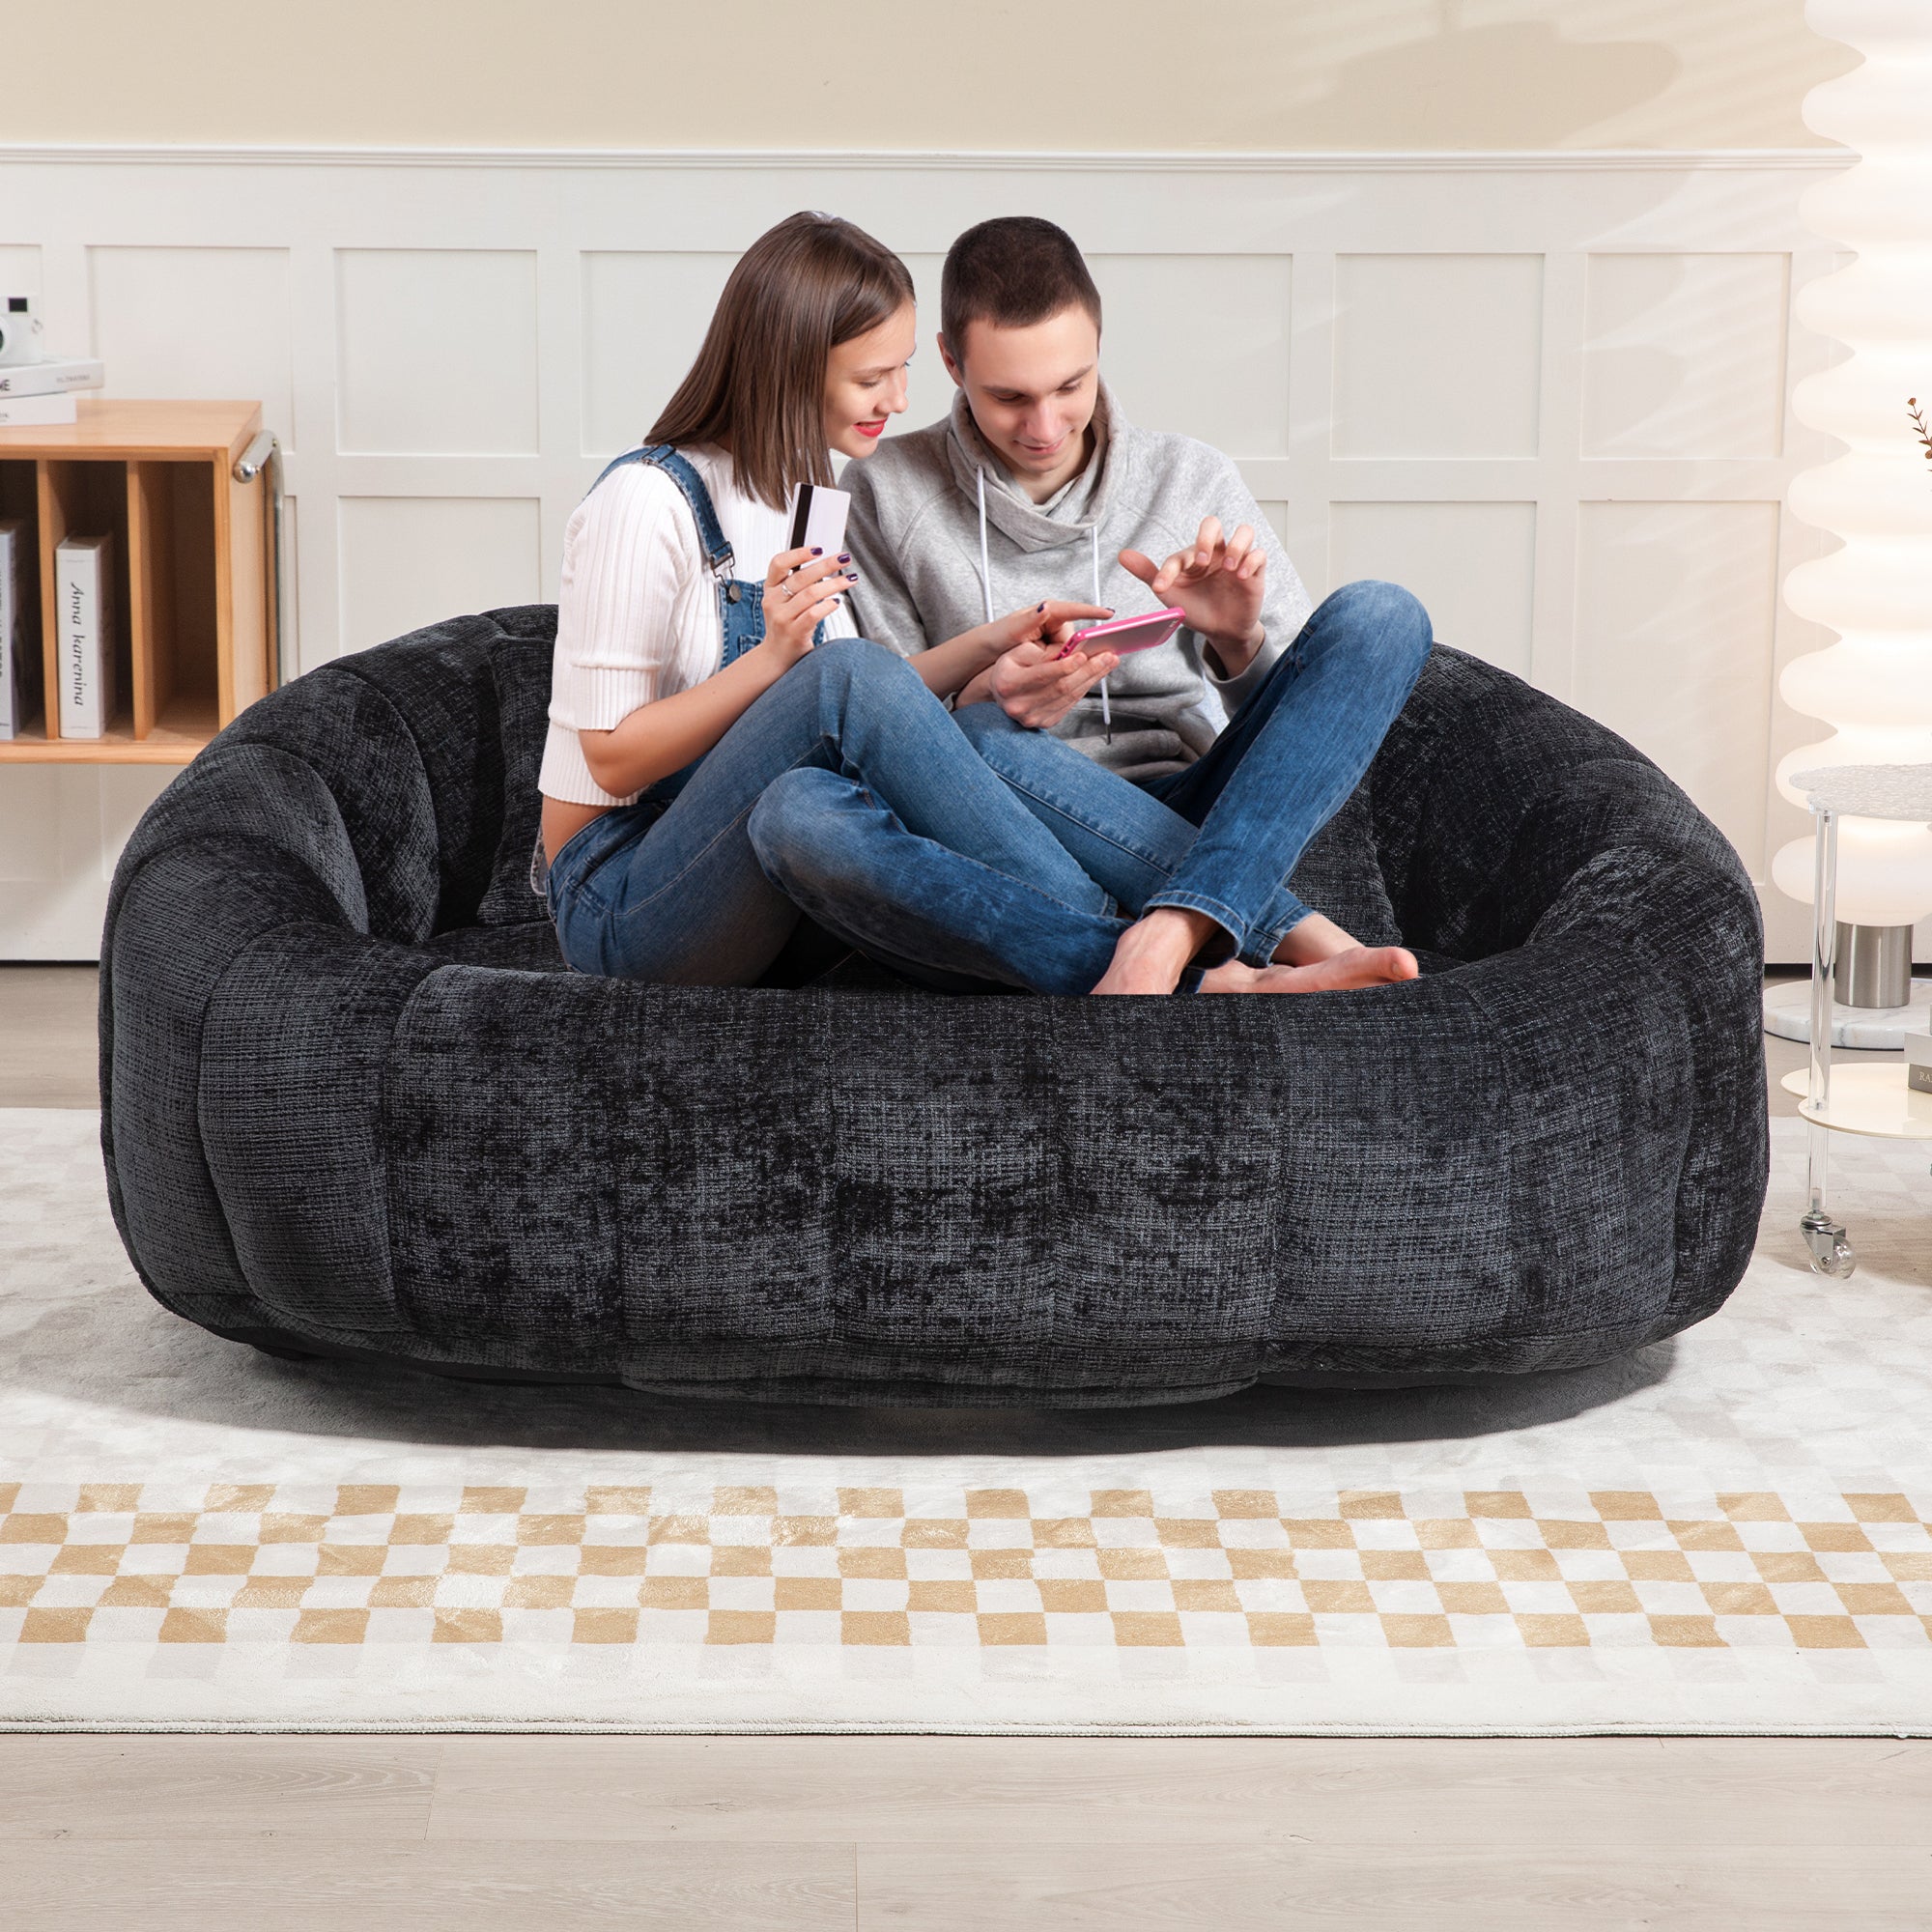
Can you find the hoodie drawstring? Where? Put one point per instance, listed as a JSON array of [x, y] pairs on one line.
[[1106, 710], [985, 569], [986, 586]]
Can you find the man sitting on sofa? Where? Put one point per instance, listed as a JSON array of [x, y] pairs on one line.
[[1038, 477]]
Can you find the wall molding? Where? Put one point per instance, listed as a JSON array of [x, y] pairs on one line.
[[1548, 388], [1524, 160]]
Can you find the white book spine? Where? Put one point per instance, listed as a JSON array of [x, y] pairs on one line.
[[84, 584], [36, 412], [12, 629], [50, 379]]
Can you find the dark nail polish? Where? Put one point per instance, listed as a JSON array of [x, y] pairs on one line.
[[845, 556], [817, 552]]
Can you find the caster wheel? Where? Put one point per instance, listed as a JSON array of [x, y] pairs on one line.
[[1837, 1263], [1831, 1253]]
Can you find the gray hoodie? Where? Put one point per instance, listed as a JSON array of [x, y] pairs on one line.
[[916, 531]]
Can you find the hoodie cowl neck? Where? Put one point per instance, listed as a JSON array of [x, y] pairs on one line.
[[1029, 526]]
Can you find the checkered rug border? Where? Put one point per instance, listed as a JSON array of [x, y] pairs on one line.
[[381, 1564]]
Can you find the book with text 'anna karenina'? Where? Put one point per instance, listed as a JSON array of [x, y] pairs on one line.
[[37, 412], [19, 653], [84, 611]]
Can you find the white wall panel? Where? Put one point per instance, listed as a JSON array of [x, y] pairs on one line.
[[19, 270], [1438, 356], [1155, 307], [126, 792], [409, 560], [1675, 610], [1684, 355], [437, 351], [1441, 369], [61, 828], [645, 317], [30, 812], [1200, 344], [196, 322], [1472, 564], [930, 389]]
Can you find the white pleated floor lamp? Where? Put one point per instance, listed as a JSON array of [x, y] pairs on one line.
[[1873, 686]]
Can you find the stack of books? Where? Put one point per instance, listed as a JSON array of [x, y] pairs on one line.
[[86, 631], [43, 392]]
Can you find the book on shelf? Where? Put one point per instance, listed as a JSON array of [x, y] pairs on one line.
[[19, 651], [58, 376], [84, 587], [36, 412]]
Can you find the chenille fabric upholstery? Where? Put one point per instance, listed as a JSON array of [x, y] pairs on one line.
[[354, 1103]]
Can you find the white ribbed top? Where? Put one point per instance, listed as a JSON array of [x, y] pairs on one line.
[[637, 614]]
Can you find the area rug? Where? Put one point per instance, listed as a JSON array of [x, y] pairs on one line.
[[1728, 1532]]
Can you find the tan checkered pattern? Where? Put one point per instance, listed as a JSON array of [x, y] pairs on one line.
[[371, 1563]]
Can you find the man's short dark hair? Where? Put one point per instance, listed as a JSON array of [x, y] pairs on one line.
[[1013, 272]]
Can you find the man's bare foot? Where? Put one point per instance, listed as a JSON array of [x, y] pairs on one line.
[[1151, 955], [1359, 966]]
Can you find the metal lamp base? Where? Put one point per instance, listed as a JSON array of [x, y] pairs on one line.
[[1874, 965]]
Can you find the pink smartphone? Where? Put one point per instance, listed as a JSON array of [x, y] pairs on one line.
[[1122, 634]]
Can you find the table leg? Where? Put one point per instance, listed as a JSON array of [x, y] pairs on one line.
[[1830, 1252]]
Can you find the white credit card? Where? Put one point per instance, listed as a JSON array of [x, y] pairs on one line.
[[818, 517]]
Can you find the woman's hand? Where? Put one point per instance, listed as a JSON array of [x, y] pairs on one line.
[[1051, 622], [800, 591]]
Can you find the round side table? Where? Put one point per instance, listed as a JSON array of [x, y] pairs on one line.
[[1849, 1100]]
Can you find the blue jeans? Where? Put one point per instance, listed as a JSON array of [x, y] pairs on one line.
[[676, 893], [1221, 836]]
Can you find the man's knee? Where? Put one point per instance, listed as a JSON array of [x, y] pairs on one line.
[[1393, 616]]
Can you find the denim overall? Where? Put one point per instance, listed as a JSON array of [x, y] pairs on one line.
[[741, 614]]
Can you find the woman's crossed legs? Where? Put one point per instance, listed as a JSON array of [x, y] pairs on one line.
[[687, 900]]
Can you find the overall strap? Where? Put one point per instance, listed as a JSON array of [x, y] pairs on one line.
[[662, 456]]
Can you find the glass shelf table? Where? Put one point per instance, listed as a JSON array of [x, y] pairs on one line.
[[1848, 1099]]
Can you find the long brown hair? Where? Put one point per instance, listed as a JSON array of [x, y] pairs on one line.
[[758, 383]]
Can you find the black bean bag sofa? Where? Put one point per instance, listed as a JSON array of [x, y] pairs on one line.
[[354, 1103]]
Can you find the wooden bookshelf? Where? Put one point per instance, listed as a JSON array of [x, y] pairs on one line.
[[196, 627]]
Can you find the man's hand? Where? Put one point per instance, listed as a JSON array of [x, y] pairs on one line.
[[1036, 687], [1220, 582], [1032, 681]]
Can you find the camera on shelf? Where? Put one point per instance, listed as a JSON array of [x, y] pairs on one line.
[[19, 331]]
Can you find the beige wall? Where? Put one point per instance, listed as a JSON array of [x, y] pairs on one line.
[[1282, 75]]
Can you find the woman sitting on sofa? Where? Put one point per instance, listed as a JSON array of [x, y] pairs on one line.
[[681, 688]]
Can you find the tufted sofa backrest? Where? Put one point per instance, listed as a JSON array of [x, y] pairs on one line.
[[1494, 805], [1486, 796]]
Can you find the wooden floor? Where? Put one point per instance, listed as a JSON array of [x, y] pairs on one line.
[[944, 1835], [948, 1834]]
